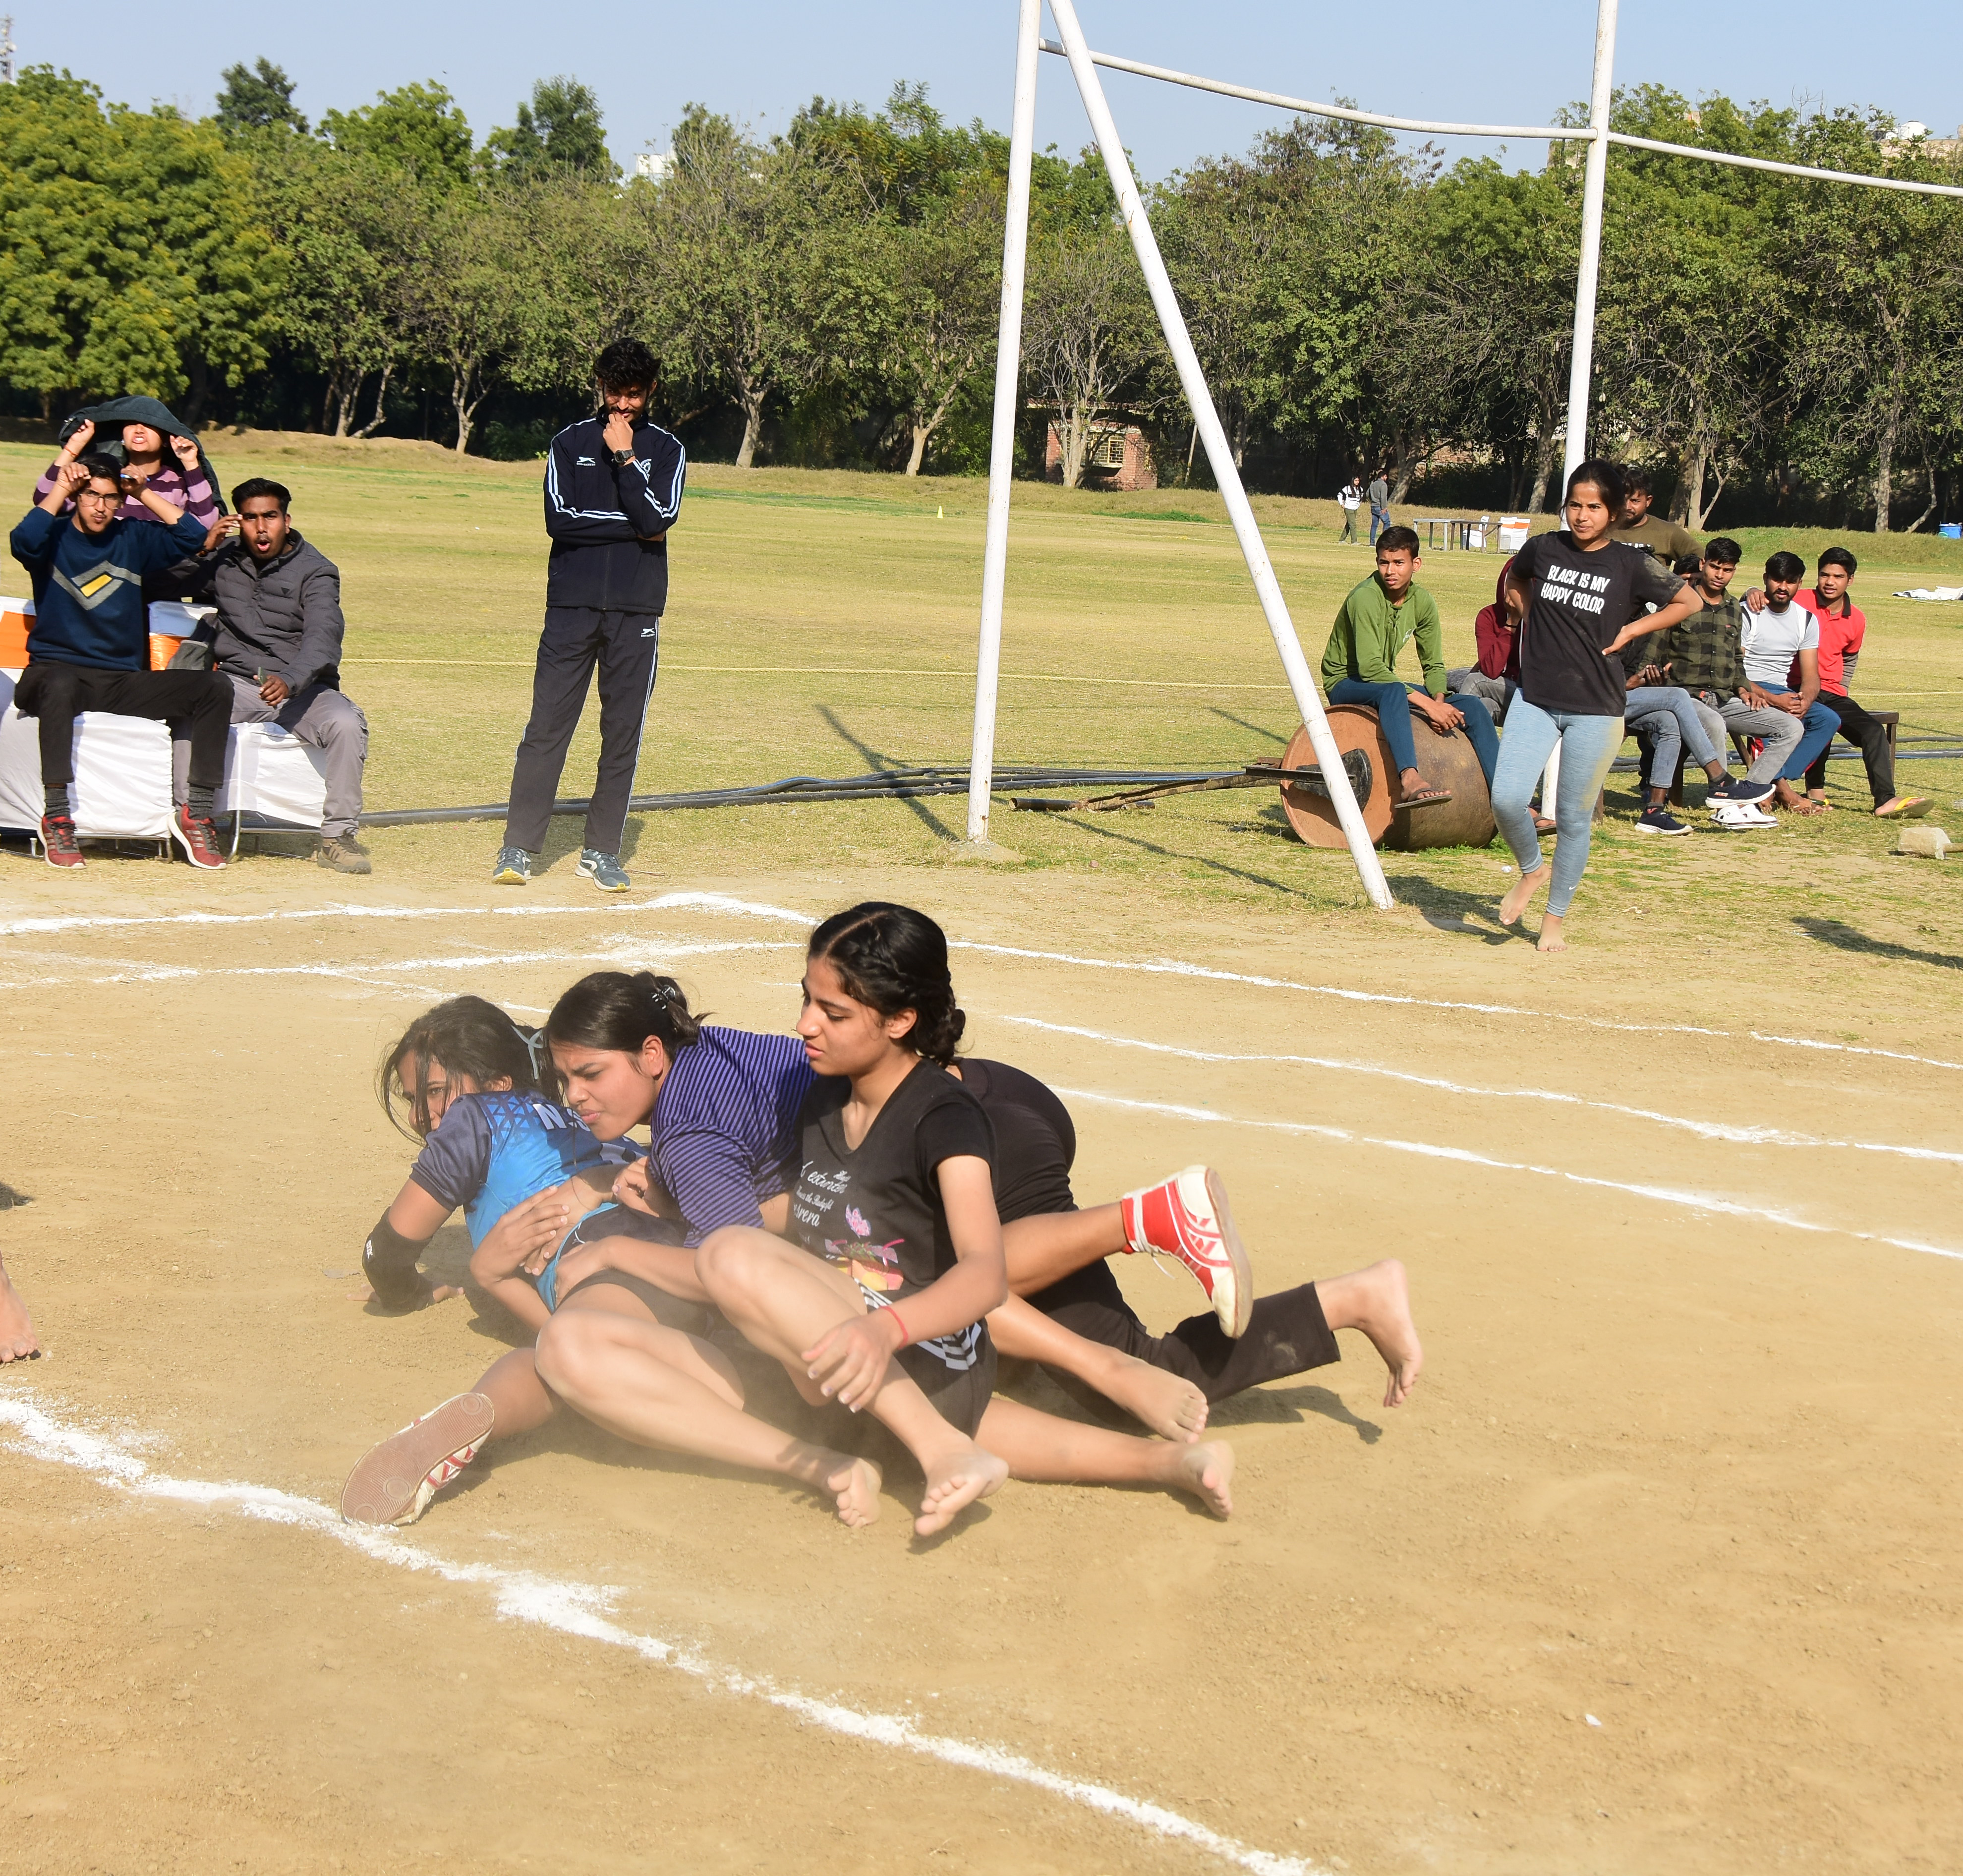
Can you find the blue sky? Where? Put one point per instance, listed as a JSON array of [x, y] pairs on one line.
[[759, 59]]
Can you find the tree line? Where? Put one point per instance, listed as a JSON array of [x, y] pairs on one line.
[[1773, 348]]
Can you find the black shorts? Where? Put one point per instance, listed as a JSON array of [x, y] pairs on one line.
[[960, 1395], [670, 1311]]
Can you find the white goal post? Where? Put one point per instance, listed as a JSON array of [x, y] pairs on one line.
[[1083, 64]]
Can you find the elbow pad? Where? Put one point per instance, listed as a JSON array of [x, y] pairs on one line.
[[389, 1262]]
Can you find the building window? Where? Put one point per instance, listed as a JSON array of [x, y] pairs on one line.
[[1107, 449]]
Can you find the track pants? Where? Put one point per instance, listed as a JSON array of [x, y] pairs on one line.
[[1870, 737], [58, 693], [626, 648], [322, 719], [1286, 1335]]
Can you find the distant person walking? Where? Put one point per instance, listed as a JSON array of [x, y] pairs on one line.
[[1380, 505], [1348, 498], [613, 485]]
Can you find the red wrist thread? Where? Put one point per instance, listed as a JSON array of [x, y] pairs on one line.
[[905, 1334]]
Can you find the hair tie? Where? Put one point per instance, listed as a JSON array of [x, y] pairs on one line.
[[533, 1040]]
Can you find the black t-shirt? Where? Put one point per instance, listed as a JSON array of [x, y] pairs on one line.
[[1035, 1140], [875, 1209], [1577, 603]]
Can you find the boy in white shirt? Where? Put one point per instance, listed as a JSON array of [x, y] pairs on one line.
[[1773, 639]]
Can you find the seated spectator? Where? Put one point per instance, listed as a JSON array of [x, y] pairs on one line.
[[1701, 654], [277, 640], [179, 472], [1781, 642], [89, 648], [1843, 629], [1377, 619], [1663, 718], [1496, 640], [1640, 528]]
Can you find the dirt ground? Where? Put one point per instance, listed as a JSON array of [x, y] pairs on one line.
[[1656, 1571]]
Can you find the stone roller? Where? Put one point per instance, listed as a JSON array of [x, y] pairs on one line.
[[1445, 761]]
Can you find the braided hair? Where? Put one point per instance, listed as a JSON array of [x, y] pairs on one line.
[[464, 1035], [893, 959]]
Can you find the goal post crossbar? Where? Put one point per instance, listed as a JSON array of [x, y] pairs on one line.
[[1537, 133]]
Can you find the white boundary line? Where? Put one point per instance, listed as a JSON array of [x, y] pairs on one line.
[[1169, 967], [1707, 1130], [1694, 1200], [584, 1610]]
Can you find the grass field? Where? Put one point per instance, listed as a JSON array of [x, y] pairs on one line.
[[1656, 1571]]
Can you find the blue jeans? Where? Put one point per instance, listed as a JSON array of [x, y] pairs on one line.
[[1588, 745], [1670, 719], [1392, 705], [1380, 519], [1821, 724]]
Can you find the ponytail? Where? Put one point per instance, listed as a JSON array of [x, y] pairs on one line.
[[893, 959], [611, 1010], [465, 1035]]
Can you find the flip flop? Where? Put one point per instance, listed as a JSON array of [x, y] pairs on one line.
[[1543, 825], [1908, 806], [1426, 797]]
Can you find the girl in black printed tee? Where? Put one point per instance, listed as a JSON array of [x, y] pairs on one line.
[[881, 1303], [1578, 597]]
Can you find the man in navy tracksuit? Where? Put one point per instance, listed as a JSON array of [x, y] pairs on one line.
[[613, 486]]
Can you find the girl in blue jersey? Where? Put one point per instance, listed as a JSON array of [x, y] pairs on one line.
[[463, 1080]]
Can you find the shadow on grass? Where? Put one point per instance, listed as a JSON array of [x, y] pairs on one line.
[[1260, 730], [1083, 824], [1831, 931], [877, 759]]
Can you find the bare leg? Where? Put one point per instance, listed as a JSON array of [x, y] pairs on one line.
[[1516, 901], [1041, 1447], [659, 1388], [784, 1300], [1550, 938], [18, 1343], [1376, 1300], [1044, 1250], [1168, 1403]]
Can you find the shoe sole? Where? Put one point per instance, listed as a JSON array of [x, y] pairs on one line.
[[586, 872], [1667, 833], [388, 1484], [184, 841], [506, 876], [1237, 1255], [334, 866]]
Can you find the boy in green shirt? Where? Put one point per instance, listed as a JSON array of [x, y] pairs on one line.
[[1378, 620]]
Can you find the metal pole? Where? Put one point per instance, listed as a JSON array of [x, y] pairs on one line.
[[1581, 366], [1194, 382], [1002, 441]]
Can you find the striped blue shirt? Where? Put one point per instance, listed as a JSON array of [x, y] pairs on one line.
[[724, 1125]]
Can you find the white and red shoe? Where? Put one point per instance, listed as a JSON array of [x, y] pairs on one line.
[[394, 1483], [199, 839], [1185, 1217], [57, 841]]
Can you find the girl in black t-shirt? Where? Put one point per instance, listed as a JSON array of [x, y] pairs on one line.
[[880, 1303], [1578, 598]]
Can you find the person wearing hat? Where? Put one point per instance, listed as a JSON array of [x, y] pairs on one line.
[[143, 436]]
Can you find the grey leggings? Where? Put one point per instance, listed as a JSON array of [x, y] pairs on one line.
[[1588, 745]]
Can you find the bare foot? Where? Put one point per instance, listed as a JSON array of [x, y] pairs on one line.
[[1550, 938], [18, 1343], [955, 1484], [856, 1487], [1515, 903], [1820, 802], [1375, 1301], [1207, 1472], [1173, 1408]]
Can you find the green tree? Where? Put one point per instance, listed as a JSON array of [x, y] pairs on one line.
[[419, 128], [261, 100], [132, 256], [467, 308], [561, 129]]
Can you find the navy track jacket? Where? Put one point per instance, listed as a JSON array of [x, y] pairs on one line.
[[88, 588], [600, 518]]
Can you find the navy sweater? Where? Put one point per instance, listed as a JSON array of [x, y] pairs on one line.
[[600, 518], [88, 588]]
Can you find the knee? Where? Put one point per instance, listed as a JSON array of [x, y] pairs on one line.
[[566, 1345], [731, 1262]]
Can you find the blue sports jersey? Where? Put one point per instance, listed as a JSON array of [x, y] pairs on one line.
[[492, 1152]]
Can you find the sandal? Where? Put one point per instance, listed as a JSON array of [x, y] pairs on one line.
[[1909, 807], [1426, 797], [1543, 825]]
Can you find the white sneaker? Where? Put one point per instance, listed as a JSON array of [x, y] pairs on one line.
[[1740, 816]]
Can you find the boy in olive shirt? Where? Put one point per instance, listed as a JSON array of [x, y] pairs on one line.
[[1378, 620], [1639, 528]]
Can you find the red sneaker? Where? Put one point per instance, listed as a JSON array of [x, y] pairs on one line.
[[1185, 1217], [396, 1481], [57, 841], [199, 839]]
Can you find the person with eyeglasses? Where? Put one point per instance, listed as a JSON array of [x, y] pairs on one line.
[[89, 648]]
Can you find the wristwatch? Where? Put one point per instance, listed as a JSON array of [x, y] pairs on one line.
[[621, 457]]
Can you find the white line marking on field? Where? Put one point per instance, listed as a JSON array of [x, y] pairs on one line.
[[1175, 967], [1695, 1201], [584, 1610], [1709, 1129]]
